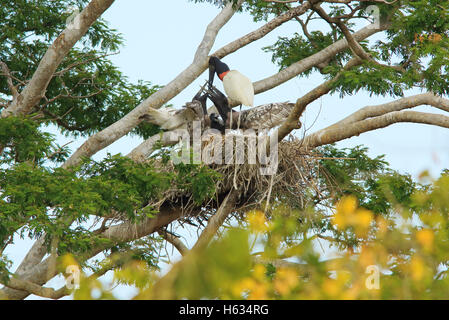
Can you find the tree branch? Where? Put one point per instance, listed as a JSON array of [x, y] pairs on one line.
[[143, 150], [163, 288], [262, 31], [217, 219], [123, 126], [345, 131], [174, 241], [355, 47], [397, 105], [32, 288], [127, 123]]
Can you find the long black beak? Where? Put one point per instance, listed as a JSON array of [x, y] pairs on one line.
[[211, 72], [220, 101]]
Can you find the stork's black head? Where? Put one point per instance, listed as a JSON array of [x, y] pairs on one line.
[[216, 66], [220, 66]]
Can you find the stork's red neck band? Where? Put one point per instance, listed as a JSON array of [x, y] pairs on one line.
[[221, 75]]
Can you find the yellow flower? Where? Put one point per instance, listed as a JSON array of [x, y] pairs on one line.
[[243, 285], [417, 268], [331, 287], [362, 220], [347, 205], [367, 257], [336, 287], [68, 262], [286, 279], [345, 208], [348, 215], [425, 237], [257, 221], [340, 221], [259, 271], [258, 292], [364, 217]]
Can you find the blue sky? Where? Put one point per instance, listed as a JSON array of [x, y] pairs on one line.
[[160, 41]]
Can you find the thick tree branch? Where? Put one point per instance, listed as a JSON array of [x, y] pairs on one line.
[[123, 126], [143, 150], [397, 105], [262, 31], [97, 142], [33, 257], [345, 131], [127, 123], [217, 219], [32, 288]]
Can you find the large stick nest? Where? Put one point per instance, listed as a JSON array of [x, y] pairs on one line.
[[295, 177]]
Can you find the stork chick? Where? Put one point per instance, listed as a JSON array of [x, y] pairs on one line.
[[171, 119]]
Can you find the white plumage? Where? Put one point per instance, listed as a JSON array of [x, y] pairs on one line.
[[170, 118], [239, 88]]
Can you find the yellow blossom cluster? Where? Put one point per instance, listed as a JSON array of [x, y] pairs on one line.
[[349, 215]]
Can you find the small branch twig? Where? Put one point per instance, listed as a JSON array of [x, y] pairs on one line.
[[9, 77], [173, 240]]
